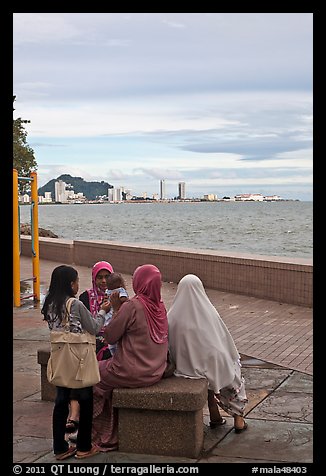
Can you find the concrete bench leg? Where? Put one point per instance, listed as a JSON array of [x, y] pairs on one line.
[[48, 391], [173, 433]]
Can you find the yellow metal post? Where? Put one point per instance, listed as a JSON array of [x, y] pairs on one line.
[[36, 254], [16, 238]]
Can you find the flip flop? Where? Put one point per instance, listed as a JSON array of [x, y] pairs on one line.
[[71, 451], [93, 451], [214, 424], [240, 430]]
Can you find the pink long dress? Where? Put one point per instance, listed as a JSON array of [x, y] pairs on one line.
[[137, 362]]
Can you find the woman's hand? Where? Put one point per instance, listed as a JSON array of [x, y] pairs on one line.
[[106, 305]]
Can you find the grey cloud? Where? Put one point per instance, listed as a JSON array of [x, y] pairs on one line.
[[251, 144], [249, 150], [207, 55], [161, 173], [247, 173]]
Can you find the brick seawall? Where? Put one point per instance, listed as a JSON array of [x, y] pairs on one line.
[[287, 280]]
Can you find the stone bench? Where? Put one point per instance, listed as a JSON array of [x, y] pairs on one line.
[[48, 391], [163, 419]]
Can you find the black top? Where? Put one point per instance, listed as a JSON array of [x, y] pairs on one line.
[[84, 298]]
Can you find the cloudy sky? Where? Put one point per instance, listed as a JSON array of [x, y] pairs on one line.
[[222, 101]]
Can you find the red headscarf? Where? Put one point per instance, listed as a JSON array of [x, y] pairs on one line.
[[94, 293], [147, 282]]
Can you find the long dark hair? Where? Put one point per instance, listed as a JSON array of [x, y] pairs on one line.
[[59, 290]]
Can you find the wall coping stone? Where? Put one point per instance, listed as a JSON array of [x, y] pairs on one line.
[[217, 254]]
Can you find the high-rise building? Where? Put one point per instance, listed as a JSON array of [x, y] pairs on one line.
[[182, 190], [117, 194], [110, 194], [162, 189], [60, 191]]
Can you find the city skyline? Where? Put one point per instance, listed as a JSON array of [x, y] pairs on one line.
[[64, 192], [222, 102]]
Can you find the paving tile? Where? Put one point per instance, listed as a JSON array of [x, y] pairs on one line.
[[28, 449], [29, 334], [25, 356], [213, 459], [24, 385], [255, 397], [35, 397], [267, 379], [269, 441], [32, 419], [285, 406], [298, 382], [117, 457], [212, 436]]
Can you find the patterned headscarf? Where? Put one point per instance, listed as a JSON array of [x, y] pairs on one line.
[[147, 283], [94, 293]]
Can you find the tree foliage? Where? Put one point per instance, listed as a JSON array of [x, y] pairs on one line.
[[23, 155]]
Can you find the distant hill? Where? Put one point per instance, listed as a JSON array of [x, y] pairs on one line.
[[91, 190]]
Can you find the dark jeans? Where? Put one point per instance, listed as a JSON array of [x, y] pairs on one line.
[[60, 415]]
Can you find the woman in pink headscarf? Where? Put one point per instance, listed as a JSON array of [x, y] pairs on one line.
[[141, 327], [92, 298]]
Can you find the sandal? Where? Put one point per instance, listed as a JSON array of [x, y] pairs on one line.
[[71, 451], [214, 424], [87, 454], [72, 426], [240, 430]]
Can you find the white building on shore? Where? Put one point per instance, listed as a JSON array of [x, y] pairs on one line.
[[210, 197], [60, 192], [256, 197]]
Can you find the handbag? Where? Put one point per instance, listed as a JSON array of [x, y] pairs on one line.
[[72, 362]]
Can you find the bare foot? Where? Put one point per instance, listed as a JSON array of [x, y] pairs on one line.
[[239, 422]]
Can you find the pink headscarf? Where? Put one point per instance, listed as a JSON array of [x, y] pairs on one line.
[[94, 293], [147, 282]]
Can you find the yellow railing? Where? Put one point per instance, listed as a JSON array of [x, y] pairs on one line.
[[16, 238]]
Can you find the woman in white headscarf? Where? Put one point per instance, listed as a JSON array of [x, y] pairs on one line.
[[201, 346]]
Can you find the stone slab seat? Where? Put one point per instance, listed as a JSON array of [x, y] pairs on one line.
[[48, 391], [163, 419]]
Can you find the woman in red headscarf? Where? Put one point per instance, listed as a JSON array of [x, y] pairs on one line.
[[140, 326]]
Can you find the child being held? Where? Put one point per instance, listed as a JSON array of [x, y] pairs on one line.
[[115, 283]]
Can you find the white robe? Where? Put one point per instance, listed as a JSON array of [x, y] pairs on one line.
[[200, 344]]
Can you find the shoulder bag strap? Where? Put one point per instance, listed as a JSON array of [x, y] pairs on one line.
[[69, 303], [68, 307]]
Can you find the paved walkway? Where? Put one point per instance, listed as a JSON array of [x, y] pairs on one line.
[[275, 341], [267, 330]]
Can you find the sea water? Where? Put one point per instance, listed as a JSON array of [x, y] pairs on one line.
[[282, 228]]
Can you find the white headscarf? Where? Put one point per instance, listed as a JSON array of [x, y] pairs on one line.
[[200, 344]]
